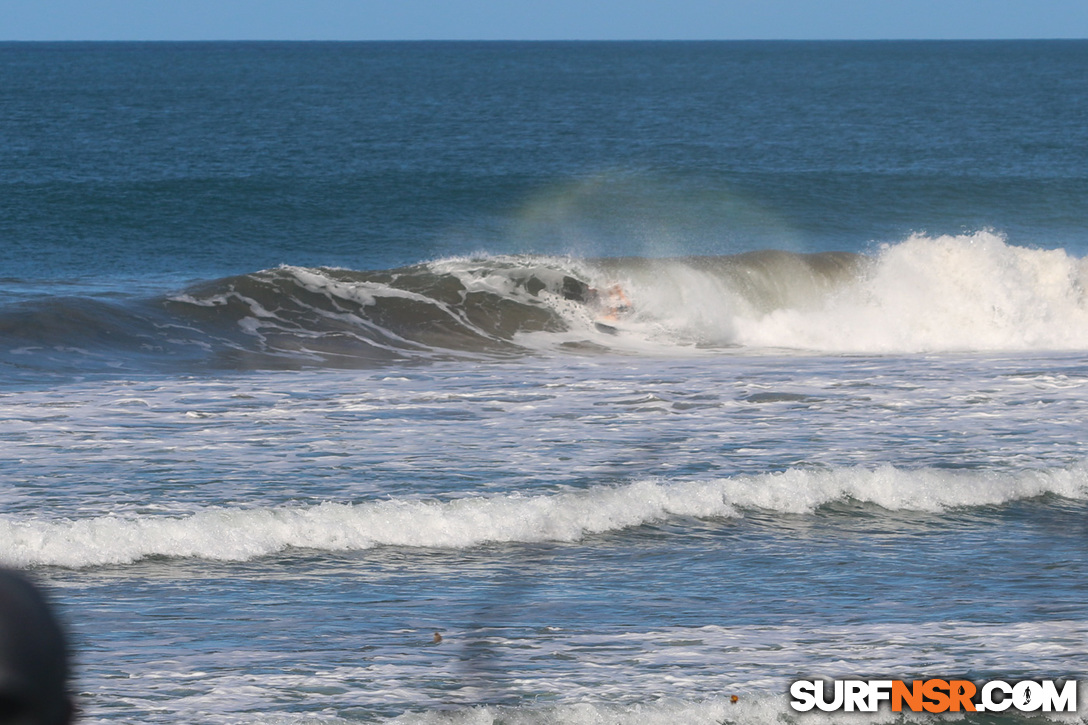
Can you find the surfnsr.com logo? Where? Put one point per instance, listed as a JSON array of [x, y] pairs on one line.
[[934, 695]]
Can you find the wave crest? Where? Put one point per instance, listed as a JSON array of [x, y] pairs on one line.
[[232, 534], [966, 293], [926, 294]]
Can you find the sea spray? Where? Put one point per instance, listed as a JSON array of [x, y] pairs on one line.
[[966, 293]]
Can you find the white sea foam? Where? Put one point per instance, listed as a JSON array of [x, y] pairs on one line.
[[710, 711], [718, 710], [972, 292], [236, 534], [668, 675], [949, 293]]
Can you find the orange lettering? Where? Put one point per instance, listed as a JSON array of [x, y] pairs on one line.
[[913, 696], [960, 693], [935, 690]]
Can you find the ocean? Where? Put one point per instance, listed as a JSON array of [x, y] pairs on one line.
[[461, 383]]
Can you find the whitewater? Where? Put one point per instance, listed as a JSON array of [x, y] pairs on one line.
[[770, 483], [966, 293], [241, 535], [466, 383]]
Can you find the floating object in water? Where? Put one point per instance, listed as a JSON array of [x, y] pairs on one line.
[[606, 328]]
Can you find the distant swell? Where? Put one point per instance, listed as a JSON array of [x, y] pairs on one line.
[[966, 293], [233, 534]]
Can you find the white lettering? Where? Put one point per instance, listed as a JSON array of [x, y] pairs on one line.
[[821, 700], [993, 696], [988, 701], [1027, 696], [1064, 701], [804, 695], [856, 695], [879, 690]]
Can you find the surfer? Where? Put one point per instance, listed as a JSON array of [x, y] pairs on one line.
[[616, 304], [612, 304]]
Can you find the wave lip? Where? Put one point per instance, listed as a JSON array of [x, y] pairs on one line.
[[965, 293], [242, 534]]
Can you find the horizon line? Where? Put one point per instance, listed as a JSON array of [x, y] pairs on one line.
[[544, 40]]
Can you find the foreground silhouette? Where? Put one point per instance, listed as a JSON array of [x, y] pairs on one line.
[[33, 657]]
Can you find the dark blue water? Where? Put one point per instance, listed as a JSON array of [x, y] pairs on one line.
[[192, 161], [311, 350]]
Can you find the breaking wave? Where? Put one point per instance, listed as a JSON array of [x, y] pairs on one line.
[[965, 293], [239, 534]]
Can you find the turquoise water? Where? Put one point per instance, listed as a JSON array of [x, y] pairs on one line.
[[302, 361]]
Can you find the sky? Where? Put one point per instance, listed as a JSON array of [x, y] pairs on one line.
[[540, 19]]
